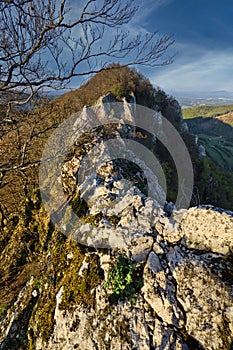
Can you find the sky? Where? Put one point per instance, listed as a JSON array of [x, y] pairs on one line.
[[203, 47], [203, 33]]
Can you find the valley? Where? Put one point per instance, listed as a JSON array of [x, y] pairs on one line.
[[214, 128]]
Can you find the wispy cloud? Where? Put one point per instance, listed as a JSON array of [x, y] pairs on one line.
[[200, 69], [145, 10], [159, 3]]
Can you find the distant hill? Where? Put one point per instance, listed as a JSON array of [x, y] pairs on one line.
[[192, 102], [203, 98], [226, 117], [223, 113]]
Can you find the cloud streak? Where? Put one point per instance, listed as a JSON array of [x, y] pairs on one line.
[[200, 70], [144, 12]]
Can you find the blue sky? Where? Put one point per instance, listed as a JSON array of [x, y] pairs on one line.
[[203, 32]]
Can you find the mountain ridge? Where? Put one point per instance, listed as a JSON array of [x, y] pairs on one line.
[[121, 271]]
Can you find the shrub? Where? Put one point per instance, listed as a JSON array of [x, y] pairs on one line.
[[125, 280]]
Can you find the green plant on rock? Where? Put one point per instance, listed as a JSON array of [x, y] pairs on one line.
[[125, 280]]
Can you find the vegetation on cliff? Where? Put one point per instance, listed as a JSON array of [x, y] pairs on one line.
[[38, 258]]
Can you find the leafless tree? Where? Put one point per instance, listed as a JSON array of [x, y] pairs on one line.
[[46, 43]]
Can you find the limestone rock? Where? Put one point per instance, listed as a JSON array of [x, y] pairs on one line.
[[208, 230], [172, 290]]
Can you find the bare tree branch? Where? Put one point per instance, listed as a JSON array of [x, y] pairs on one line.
[[44, 43]]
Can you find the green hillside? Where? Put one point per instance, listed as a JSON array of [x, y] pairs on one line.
[[207, 111], [217, 138], [219, 149]]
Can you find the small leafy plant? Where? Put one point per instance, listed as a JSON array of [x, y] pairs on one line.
[[125, 280]]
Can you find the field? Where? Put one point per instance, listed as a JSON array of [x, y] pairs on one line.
[[218, 149], [214, 128], [209, 111]]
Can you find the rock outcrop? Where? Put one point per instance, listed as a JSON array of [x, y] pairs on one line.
[[129, 276], [186, 298]]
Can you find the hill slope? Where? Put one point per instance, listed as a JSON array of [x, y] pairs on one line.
[[214, 128], [224, 113]]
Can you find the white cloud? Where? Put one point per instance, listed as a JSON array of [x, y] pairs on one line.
[[195, 69]]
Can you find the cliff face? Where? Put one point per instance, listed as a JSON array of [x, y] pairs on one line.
[[123, 274]]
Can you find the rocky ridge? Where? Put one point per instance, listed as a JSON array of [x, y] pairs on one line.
[[147, 280]]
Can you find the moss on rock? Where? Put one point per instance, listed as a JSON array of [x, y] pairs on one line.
[[79, 287]]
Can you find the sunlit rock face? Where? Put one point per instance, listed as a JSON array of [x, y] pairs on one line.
[[186, 298], [129, 276]]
